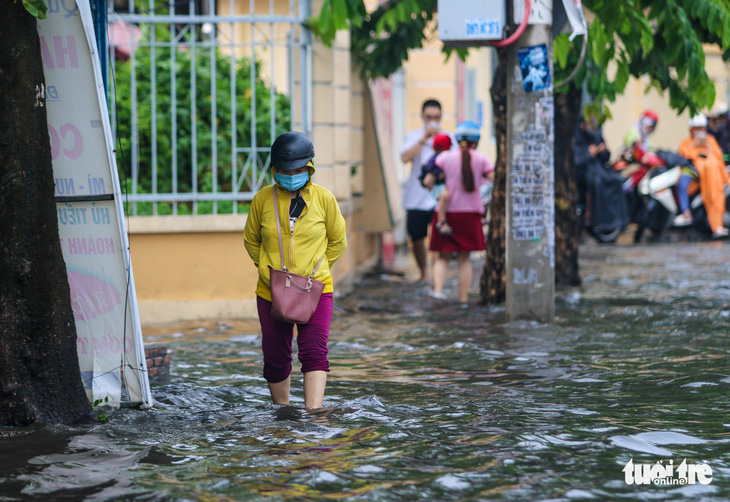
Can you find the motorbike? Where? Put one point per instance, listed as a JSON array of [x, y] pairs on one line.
[[651, 190]]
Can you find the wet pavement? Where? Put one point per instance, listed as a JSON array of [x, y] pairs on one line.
[[427, 400]]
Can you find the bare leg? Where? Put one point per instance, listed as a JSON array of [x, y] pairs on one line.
[[421, 255], [314, 384], [439, 272], [464, 276], [444, 198], [441, 224], [280, 391]]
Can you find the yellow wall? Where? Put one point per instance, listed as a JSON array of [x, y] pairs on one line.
[[190, 268]]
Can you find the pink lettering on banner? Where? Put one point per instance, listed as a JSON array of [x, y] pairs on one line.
[[64, 53], [90, 245], [73, 145], [91, 296]]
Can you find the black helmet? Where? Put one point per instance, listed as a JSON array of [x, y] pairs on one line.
[[291, 150]]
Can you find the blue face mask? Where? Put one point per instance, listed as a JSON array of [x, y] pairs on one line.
[[293, 182]]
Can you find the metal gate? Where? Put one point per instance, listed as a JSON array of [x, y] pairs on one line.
[[198, 92]]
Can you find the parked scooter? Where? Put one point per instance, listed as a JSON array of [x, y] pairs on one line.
[[657, 197]]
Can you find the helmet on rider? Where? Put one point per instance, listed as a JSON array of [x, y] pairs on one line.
[[291, 150], [651, 114], [467, 131], [647, 122], [698, 120]]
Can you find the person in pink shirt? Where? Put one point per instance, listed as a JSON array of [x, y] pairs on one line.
[[458, 229]]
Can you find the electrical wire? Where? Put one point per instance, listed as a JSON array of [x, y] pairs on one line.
[[581, 57], [520, 29]]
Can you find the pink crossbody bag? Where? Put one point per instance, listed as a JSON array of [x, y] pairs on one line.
[[294, 297]]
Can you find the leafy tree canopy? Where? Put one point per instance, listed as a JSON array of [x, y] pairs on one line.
[[661, 39]]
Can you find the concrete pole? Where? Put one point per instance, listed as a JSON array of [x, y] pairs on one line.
[[530, 226]]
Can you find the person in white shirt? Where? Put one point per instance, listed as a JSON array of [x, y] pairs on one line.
[[417, 200]]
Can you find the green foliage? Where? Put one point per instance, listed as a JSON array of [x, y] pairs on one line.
[[596, 111], [334, 16], [379, 41], [661, 39], [561, 50], [37, 8], [100, 416], [193, 101]]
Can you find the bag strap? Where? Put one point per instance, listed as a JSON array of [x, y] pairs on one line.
[[281, 245]]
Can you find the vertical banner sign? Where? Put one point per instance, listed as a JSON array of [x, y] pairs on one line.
[[90, 214]]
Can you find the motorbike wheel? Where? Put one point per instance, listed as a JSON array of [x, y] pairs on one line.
[[606, 236]]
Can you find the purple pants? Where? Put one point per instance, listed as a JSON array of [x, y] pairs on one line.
[[311, 338]]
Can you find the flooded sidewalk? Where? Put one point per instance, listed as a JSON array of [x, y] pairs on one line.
[[427, 400]]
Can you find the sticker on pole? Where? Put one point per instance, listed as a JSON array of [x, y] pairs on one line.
[[534, 67]]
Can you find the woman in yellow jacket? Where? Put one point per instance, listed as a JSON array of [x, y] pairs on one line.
[[316, 228]]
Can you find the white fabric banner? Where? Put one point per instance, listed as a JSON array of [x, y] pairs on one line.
[[91, 222]]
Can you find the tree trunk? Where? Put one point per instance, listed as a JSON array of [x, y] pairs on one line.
[[492, 283], [39, 368], [567, 230], [567, 226]]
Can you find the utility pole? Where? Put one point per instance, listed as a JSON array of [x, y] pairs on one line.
[[530, 222], [530, 226]]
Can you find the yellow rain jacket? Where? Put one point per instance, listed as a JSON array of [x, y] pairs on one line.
[[320, 229]]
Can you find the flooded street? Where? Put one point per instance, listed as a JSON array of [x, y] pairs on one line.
[[430, 401]]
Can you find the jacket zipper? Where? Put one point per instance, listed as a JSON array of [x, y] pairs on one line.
[[291, 234]]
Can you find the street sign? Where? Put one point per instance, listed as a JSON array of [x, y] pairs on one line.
[[466, 23]]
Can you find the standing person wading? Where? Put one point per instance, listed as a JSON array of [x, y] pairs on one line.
[[315, 234], [465, 170], [417, 201]]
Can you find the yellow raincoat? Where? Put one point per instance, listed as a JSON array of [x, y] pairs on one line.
[[713, 175], [320, 229]]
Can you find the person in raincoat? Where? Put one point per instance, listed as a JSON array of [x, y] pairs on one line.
[[315, 227], [704, 152], [600, 193], [638, 134]]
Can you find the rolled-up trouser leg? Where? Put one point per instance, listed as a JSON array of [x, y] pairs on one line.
[[276, 342], [312, 337]]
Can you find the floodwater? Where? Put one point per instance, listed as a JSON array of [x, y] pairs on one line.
[[430, 401]]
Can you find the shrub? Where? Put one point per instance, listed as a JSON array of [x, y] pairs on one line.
[[189, 63]]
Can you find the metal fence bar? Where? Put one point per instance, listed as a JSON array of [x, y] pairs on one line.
[[153, 107], [214, 111], [193, 112], [306, 67], [234, 110], [272, 94], [254, 143], [190, 197], [215, 19], [173, 104], [135, 131]]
